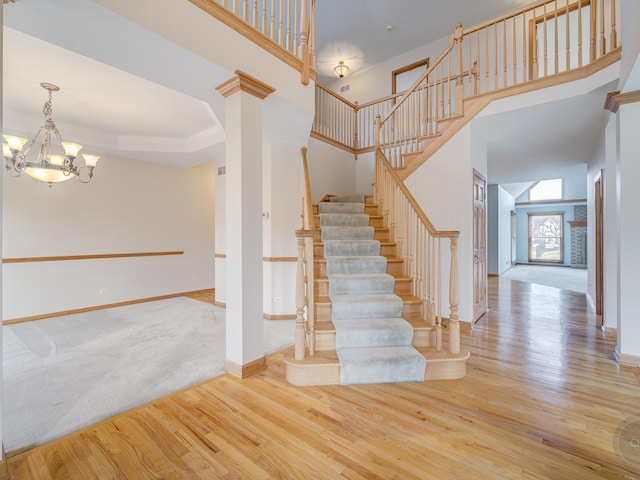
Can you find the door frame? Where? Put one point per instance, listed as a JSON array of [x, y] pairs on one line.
[[598, 191], [476, 317]]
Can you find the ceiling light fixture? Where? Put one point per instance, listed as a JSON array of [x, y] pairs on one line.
[[341, 69], [55, 159]]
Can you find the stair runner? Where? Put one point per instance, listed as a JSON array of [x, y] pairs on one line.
[[373, 341]]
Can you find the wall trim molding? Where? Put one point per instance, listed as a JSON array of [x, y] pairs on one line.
[[220, 304], [99, 256], [550, 202], [280, 259], [4, 467], [220, 255], [615, 99], [245, 83], [246, 370], [279, 317], [627, 360], [31, 318]]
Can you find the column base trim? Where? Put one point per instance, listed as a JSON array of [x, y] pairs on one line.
[[246, 370], [627, 360]]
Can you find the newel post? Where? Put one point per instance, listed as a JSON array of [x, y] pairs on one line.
[[454, 324], [459, 73], [300, 330]]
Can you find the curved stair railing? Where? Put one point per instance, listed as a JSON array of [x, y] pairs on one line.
[[286, 28], [550, 38], [305, 318], [419, 244]]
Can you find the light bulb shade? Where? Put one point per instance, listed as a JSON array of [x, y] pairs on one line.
[[341, 69], [6, 151], [71, 149], [90, 160], [48, 175], [15, 143], [56, 160]]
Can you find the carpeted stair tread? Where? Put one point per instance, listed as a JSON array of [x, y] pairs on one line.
[[348, 233], [361, 284], [373, 332], [380, 365], [344, 219], [356, 264], [348, 199], [366, 306], [338, 207], [351, 248]]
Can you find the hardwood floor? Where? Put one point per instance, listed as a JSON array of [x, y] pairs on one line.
[[542, 399]]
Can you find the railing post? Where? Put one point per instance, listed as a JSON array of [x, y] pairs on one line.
[[454, 324], [304, 41], [459, 74], [300, 330], [355, 128]]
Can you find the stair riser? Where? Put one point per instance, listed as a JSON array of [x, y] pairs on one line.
[[320, 268], [422, 337], [386, 250], [402, 287], [377, 222], [410, 311], [379, 234]]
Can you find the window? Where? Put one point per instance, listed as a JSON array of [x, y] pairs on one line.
[[546, 237], [546, 190]]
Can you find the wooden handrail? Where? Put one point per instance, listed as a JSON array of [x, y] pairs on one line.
[[418, 243], [412, 201], [336, 95], [308, 223], [304, 333], [292, 41], [422, 78]]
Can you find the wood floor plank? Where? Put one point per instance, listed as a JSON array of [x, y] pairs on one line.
[[542, 399]]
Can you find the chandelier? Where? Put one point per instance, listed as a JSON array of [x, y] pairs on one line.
[[341, 69], [55, 159]]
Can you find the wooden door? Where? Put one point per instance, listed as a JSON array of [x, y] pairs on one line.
[[479, 246], [598, 195]]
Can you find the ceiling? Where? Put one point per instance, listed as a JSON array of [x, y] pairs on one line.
[[138, 103]]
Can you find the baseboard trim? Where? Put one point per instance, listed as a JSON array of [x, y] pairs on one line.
[[465, 327], [492, 275], [627, 360], [279, 317], [32, 318], [246, 370], [220, 304], [4, 467]]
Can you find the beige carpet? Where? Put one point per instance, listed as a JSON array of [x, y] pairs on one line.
[[566, 278], [64, 373]]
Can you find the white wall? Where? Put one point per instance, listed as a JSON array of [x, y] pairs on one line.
[[130, 206], [1, 233], [628, 231], [630, 68], [375, 82], [331, 170], [500, 204]]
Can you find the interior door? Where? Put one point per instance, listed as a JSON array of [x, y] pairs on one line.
[[479, 246], [599, 204], [514, 218]]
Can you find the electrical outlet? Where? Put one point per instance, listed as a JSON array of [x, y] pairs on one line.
[[103, 291], [277, 299]]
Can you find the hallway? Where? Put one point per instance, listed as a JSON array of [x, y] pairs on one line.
[[542, 399]]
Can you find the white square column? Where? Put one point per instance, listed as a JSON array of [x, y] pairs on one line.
[[628, 261], [244, 285]]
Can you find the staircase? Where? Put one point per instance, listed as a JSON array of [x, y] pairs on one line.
[[368, 327]]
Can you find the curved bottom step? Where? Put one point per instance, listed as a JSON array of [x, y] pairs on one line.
[[324, 369]]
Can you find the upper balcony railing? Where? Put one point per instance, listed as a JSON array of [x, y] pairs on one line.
[[286, 28], [545, 40]]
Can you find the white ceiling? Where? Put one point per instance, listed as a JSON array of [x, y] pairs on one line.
[[125, 91]]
